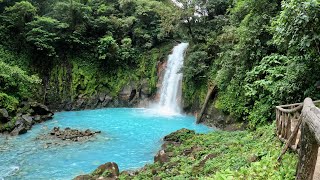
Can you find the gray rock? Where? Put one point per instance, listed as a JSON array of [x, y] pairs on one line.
[[106, 101], [161, 157], [128, 92], [21, 129], [37, 118], [111, 167], [4, 116], [40, 109], [28, 119], [83, 177], [102, 97], [145, 89], [46, 117], [79, 103]]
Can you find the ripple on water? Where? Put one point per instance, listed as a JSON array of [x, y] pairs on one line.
[[129, 137]]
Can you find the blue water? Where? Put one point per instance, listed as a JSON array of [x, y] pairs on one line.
[[130, 137]]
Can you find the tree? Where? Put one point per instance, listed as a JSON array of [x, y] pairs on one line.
[[14, 20], [44, 34], [108, 49], [15, 82], [78, 17]]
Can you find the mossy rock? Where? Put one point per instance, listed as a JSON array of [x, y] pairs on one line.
[[180, 135]]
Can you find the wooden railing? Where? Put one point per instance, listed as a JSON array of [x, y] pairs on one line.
[[287, 117], [298, 125]]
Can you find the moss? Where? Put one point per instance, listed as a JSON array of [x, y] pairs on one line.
[[149, 61], [226, 155], [193, 95], [180, 135], [106, 173], [86, 76]]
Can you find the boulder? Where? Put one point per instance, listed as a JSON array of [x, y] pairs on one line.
[[4, 116], [128, 92], [102, 97], [40, 109], [179, 136], [20, 129], [79, 103], [125, 93], [106, 101], [161, 157], [109, 170], [28, 119], [83, 177], [37, 118], [46, 117]]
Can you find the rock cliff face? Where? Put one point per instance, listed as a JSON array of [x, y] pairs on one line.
[[212, 116], [62, 94], [131, 95]]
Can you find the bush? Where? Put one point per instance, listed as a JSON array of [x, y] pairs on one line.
[[8, 102]]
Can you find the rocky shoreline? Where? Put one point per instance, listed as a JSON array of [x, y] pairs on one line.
[[110, 170], [28, 114]]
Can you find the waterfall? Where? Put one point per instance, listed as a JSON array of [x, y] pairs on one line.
[[170, 94]]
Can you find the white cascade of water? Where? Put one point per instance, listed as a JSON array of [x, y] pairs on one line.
[[171, 86]]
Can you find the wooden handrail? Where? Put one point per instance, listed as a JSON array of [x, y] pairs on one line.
[[298, 108], [295, 104], [311, 116], [305, 136]]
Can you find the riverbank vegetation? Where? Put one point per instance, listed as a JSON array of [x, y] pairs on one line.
[[222, 155], [258, 54]]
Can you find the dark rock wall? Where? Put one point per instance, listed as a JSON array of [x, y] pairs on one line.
[[62, 93]]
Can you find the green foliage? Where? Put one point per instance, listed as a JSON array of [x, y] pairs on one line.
[[258, 151], [258, 55], [108, 48], [13, 21], [16, 82], [8, 102], [297, 29], [17, 15], [22, 60], [43, 34], [196, 66]]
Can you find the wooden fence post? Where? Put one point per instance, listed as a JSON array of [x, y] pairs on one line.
[[307, 155]]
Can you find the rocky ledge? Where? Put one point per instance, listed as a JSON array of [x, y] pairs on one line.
[[28, 114]]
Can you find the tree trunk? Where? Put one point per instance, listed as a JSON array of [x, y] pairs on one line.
[[209, 94]]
